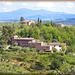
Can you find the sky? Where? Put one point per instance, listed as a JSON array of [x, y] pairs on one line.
[[67, 6]]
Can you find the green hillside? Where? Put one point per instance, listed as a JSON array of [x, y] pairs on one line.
[[23, 60]]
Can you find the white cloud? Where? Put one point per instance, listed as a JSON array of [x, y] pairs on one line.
[[67, 7], [70, 4], [39, 5], [7, 3], [24, 4], [5, 8], [45, 4]]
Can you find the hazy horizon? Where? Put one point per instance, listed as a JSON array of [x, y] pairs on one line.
[[66, 7]]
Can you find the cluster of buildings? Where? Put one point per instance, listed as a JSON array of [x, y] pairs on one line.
[[59, 25], [56, 24], [39, 46], [29, 22]]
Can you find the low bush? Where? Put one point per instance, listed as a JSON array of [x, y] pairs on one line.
[[54, 49], [11, 47], [35, 73]]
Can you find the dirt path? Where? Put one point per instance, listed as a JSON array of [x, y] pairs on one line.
[[8, 46]]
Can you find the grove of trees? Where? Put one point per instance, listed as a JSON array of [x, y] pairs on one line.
[[23, 60]]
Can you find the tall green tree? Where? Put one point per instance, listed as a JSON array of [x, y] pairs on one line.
[[39, 25], [22, 19], [47, 24], [36, 32], [38, 20], [7, 33], [51, 22]]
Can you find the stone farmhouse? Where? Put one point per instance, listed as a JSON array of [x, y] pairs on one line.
[[59, 25], [58, 46], [21, 41], [39, 46], [29, 22]]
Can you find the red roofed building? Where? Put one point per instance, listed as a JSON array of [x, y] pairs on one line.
[[21, 41], [57, 45], [39, 46], [59, 25], [29, 22]]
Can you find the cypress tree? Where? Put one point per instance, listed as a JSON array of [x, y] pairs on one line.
[[38, 20], [51, 22], [22, 19]]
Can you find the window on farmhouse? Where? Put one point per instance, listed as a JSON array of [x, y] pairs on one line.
[[54, 45], [38, 50], [59, 45], [60, 49]]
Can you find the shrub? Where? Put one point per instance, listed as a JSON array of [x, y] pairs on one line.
[[43, 53], [11, 47], [39, 65], [27, 49], [59, 53], [17, 48], [35, 73], [54, 49], [2, 42], [2, 46], [15, 44], [70, 49], [33, 66], [21, 26], [55, 64], [63, 48], [72, 62]]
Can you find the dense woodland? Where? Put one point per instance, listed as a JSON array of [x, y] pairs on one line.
[[22, 60]]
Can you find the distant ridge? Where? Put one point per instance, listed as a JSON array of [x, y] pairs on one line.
[[33, 14]]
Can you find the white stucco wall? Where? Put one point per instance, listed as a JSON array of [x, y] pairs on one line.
[[29, 23], [50, 47], [57, 47]]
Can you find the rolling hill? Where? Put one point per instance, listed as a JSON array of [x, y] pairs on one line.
[[33, 14]]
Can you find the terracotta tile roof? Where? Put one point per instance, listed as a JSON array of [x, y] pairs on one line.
[[39, 42], [32, 41], [29, 21], [56, 43], [17, 38], [46, 45], [24, 38], [59, 24]]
